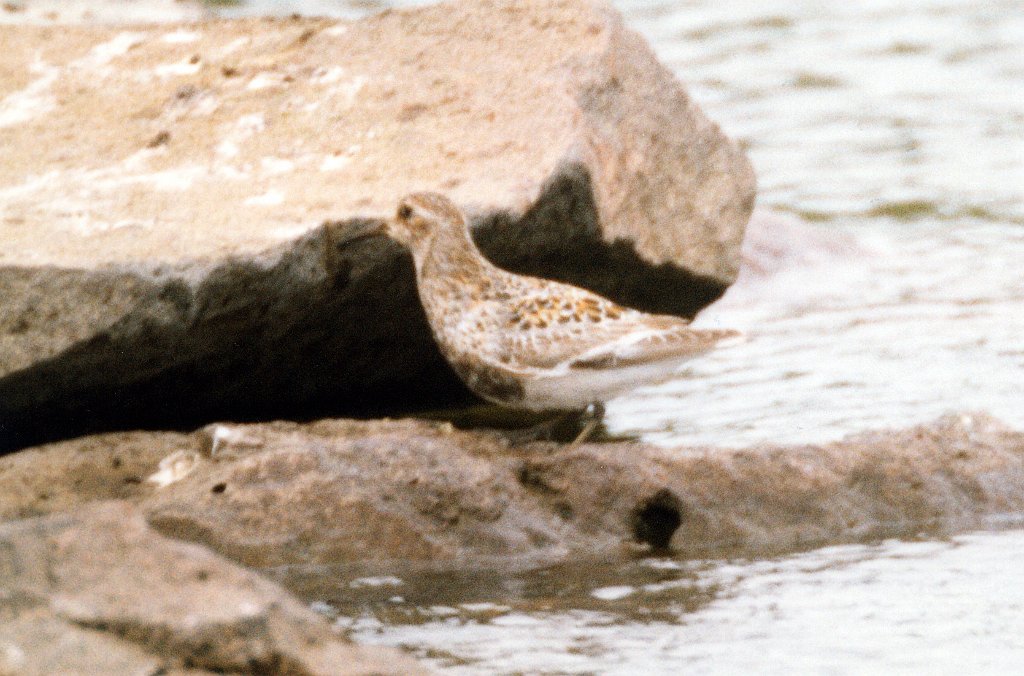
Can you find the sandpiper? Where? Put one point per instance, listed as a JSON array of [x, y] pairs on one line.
[[530, 343]]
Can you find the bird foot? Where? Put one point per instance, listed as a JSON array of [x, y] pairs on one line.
[[594, 414], [572, 427]]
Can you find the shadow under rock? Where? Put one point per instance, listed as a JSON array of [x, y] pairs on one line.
[[328, 325]]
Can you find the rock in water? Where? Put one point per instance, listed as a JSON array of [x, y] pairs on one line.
[[100, 592], [354, 493]]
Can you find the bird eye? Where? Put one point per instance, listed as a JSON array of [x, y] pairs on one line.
[[404, 212]]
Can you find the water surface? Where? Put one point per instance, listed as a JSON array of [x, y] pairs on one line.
[[901, 125], [894, 608]]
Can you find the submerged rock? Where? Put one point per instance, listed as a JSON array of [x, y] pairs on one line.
[[185, 254], [99, 592]]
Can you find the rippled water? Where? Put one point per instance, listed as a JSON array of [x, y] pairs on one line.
[[894, 608], [929, 319], [901, 125]]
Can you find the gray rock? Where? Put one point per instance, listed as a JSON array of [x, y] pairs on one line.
[[185, 255], [349, 492], [91, 585], [339, 492], [100, 593]]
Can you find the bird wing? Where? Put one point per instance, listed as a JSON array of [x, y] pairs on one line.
[[553, 325], [653, 345]]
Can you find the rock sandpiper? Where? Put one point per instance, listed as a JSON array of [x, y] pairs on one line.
[[530, 343]]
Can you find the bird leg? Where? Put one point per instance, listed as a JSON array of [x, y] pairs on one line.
[[561, 426], [595, 416], [571, 427], [546, 430]]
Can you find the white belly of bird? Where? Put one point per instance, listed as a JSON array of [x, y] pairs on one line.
[[574, 388]]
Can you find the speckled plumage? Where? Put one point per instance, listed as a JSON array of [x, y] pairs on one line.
[[527, 342]]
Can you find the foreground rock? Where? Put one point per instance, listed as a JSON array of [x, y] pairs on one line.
[[87, 586], [344, 492], [165, 264], [98, 592]]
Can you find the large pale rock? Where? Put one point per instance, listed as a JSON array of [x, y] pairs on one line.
[[101, 593], [162, 191]]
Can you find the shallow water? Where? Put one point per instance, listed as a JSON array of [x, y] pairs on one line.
[[928, 320], [895, 607], [896, 130]]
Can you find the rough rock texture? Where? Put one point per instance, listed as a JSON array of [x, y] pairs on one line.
[[341, 492], [101, 593], [164, 262]]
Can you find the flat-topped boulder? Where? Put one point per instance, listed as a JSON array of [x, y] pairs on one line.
[[175, 201]]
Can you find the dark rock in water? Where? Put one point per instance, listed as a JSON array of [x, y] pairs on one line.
[[99, 592], [211, 274]]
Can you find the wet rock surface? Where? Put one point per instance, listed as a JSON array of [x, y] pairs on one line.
[[185, 256], [350, 492], [99, 592]]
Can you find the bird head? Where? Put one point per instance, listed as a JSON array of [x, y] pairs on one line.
[[420, 217]]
